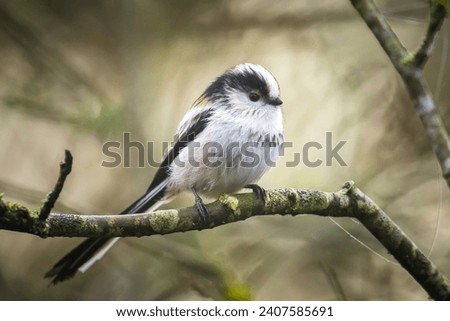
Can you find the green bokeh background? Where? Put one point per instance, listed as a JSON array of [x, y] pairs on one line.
[[76, 74]]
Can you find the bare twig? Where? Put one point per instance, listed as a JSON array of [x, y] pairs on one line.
[[410, 67], [64, 170], [423, 53]]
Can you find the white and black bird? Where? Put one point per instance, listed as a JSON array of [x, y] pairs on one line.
[[229, 138]]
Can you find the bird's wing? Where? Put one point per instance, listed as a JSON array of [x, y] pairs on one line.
[[92, 249], [193, 123]]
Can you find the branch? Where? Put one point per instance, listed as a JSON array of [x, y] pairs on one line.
[[423, 53], [64, 170], [410, 67], [376, 21], [400, 246], [348, 202]]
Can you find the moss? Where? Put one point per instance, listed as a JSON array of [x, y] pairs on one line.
[[87, 225], [366, 208], [277, 201], [18, 210], [231, 202], [313, 199], [288, 201], [408, 59], [164, 221]]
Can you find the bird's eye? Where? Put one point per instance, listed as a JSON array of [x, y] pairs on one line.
[[254, 96]]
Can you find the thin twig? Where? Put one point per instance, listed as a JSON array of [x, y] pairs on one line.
[[64, 170], [436, 19]]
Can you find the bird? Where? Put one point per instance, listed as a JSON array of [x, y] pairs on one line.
[[226, 141]]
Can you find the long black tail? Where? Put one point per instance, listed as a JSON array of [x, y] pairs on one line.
[[83, 253], [68, 266]]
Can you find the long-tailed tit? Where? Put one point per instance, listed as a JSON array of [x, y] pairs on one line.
[[229, 138]]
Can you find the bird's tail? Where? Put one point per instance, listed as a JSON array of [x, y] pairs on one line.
[[91, 250]]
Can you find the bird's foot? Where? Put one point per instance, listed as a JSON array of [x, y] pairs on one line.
[[201, 209], [258, 190]]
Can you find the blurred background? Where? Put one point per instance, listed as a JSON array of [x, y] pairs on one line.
[[77, 74]]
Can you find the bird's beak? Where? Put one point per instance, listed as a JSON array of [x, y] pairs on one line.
[[276, 102]]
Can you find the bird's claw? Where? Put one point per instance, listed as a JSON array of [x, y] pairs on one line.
[[259, 191], [201, 209]]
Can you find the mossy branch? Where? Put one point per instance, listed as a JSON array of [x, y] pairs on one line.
[[410, 67], [348, 202]]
